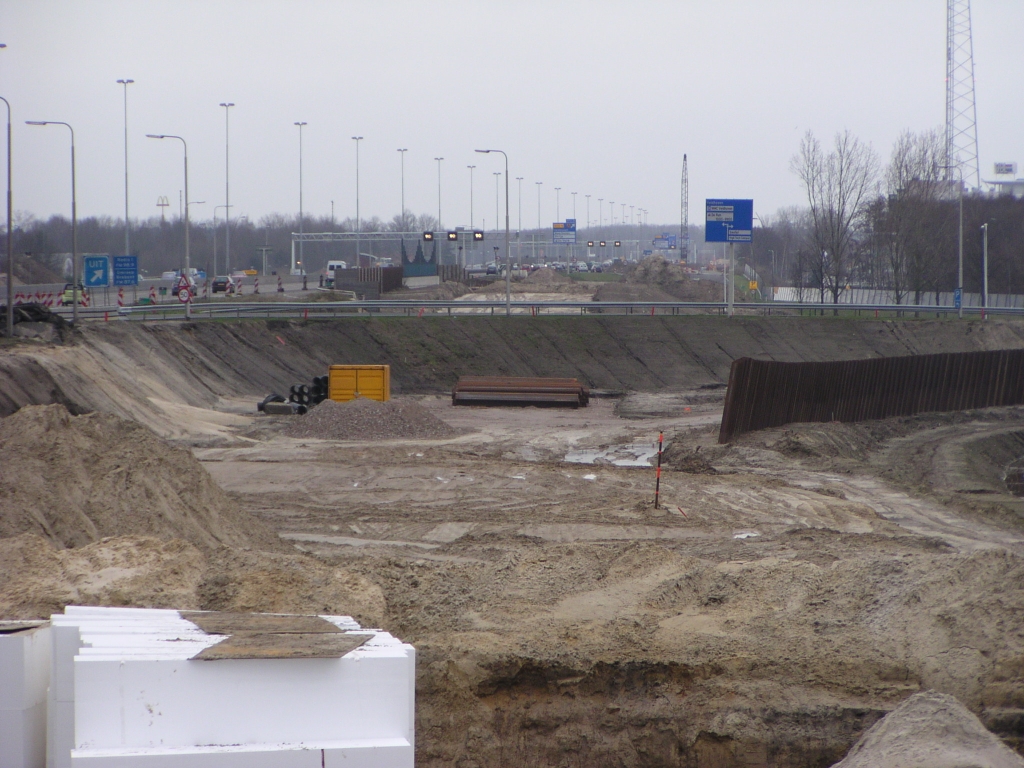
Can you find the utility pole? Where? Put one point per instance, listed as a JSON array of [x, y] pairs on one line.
[[684, 213], [227, 192], [127, 240]]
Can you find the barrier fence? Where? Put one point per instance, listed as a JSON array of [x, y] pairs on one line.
[[765, 393]]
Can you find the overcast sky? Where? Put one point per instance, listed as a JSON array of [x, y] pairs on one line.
[[598, 98]]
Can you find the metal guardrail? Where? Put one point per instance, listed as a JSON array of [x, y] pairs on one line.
[[394, 307]]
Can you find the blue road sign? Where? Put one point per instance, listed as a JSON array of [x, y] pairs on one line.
[[564, 233], [729, 221], [97, 271], [664, 242], [958, 298], [126, 270]]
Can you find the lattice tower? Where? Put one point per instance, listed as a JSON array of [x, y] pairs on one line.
[[961, 112], [684, 215]]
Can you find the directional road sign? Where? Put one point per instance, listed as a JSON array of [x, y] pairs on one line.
[[564, 233], [126, 270], [729, 221], [97, 272]]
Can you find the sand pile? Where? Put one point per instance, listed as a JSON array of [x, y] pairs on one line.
[[930, 730], [37, 579], [363, 419], [545, 276], [77, 479], [655, 269]]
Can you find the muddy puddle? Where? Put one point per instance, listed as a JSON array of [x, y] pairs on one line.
[[628, 455]]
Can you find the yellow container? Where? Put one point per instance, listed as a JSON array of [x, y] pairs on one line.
[[347, 382]]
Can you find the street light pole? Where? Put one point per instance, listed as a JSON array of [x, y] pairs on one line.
[[588, 210], [402, 153], [519, 229], [215, 209], [10, 241], [439, 159], [538, 203], [227, 195], [471, 167], [188, 266], [558, 205], [508, 251], [984, 267], [74, 214], [497, 199], [600, 212], [302, 264], [127, 245], [357, 139]]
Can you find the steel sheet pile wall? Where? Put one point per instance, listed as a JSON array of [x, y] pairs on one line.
[[765, 393]]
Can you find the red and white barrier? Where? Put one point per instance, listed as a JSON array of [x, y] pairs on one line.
[[152, 294], [120, 297], [280, 286], [256, 287]]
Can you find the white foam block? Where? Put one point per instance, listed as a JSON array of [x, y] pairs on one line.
[[396, 753], [151, 702], [24, 668], [60, 733]]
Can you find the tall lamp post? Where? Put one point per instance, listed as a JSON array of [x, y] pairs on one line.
[[227, 195], [508, 252], [497, 199], [10, 242], [74, 216], [127, 243], [471, 167], [402, 152], [188, 265], [588, 210], [519, 229], [439, 159], [357, 139], [300, 124], [215, 209]]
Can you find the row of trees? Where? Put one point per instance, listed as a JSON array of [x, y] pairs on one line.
[[894, 228]]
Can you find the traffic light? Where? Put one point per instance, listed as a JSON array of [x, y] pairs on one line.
[[428, 235], [478, 236], [590, 243], [618, 243], [453, 235], [603, 243]]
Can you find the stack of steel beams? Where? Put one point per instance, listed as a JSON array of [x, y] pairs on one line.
[[511, 390]]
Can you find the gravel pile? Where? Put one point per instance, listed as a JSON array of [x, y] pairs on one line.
[[363, 419]]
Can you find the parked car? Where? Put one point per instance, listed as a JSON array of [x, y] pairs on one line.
[[67, 296], [223, 284]]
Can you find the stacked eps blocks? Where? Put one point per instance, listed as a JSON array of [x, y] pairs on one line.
[[125, 690], [24, 677]]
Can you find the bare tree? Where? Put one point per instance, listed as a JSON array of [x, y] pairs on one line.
[[916, 223], [839, 186]]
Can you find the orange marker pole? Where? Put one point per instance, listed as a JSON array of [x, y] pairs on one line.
[[657, 482]]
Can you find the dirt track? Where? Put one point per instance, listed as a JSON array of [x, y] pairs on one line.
[[798, 587]]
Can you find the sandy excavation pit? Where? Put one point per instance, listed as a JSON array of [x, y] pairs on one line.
[[792, 589]]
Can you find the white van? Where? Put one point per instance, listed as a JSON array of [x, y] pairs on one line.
[[333, 265]]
